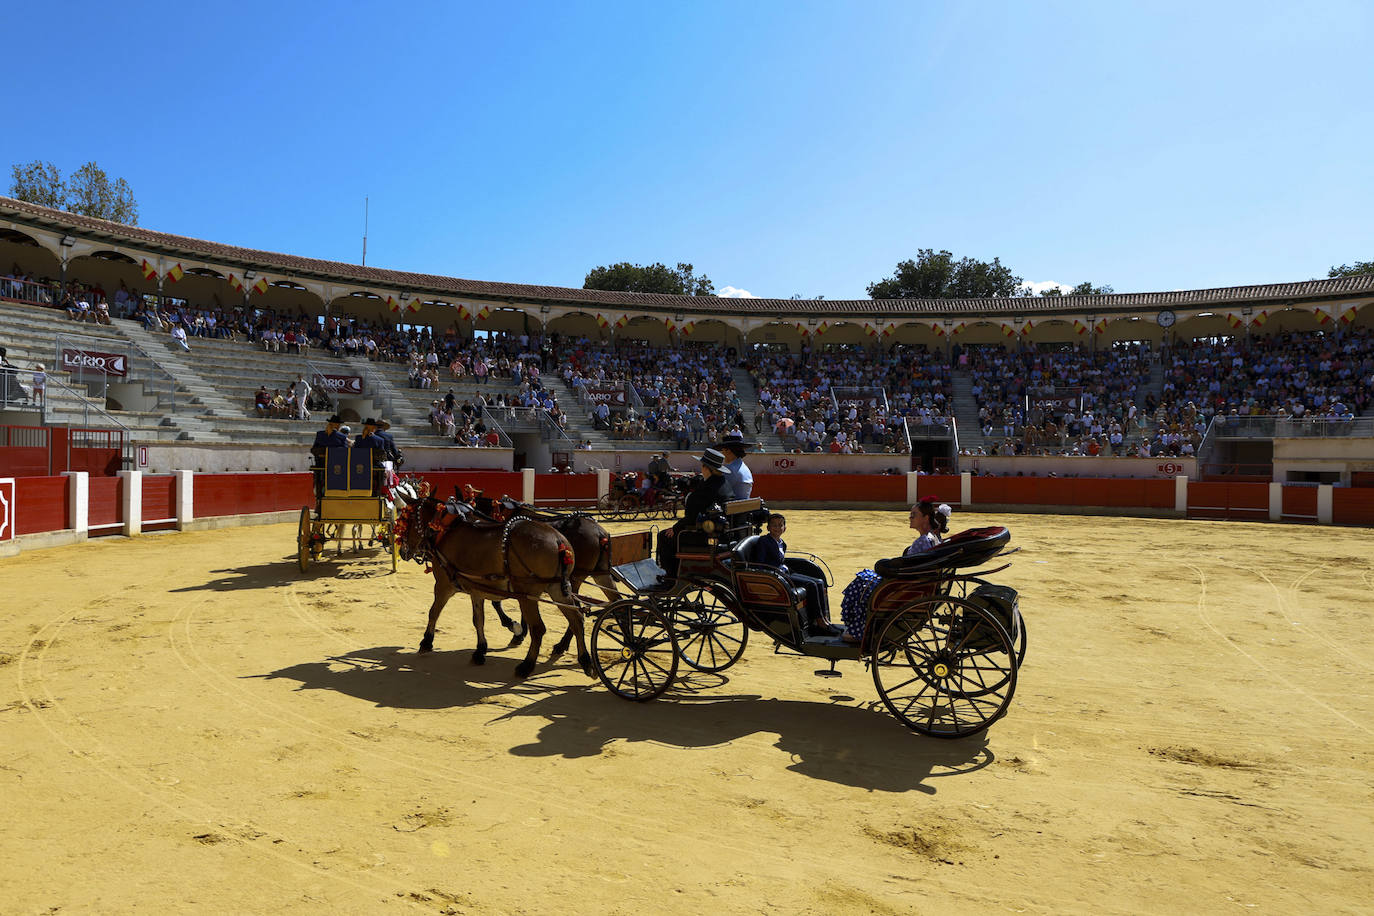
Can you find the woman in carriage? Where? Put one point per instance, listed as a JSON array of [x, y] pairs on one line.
[[931, 520]]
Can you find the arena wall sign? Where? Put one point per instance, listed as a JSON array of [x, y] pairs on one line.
[[339, 384], [116, 364]]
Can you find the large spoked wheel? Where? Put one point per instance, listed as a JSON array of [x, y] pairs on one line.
[[634, 650], [303, 556], [606, 502], [629, 506], [944, 667], [710, 635]]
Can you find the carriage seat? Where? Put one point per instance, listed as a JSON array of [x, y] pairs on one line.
[[739, 555], [972, 547]]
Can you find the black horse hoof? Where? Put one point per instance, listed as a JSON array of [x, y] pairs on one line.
[[523, 669], [426, 645], [585, 660], [479, 658], [516, 640]]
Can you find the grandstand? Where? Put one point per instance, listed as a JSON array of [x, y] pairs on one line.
[[539, 371]]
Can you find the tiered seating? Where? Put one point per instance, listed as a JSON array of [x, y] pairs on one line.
[[799, 394]]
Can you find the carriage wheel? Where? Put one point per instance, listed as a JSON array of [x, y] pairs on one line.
[[303, 554], [606, 502], [634, 650], [710, 634], [629, 507], [944, 667]]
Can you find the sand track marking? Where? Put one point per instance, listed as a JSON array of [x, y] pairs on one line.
[[108, 763], [1267, 669]]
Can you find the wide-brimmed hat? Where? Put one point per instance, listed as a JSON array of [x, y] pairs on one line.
[[334, 418], [736, 443], [714, 460], [383, 423], [369, 422]]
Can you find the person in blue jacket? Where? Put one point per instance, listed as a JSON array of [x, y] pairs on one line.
[[325, 439], [771, 550]]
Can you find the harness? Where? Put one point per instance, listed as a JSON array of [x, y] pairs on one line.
[[429, 552]]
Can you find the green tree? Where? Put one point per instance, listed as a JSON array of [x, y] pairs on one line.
[[1352, 270], [1087, 289], [39, 183], [656, 278], [88, 191], [937, 275]]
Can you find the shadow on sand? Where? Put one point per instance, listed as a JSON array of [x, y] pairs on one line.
[[854, 745], [285, 571]]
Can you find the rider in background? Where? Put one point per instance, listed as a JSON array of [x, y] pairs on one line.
[[741, 478]]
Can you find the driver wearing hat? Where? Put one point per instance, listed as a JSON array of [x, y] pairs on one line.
[[327, 438], [712, 488], [741, 484]]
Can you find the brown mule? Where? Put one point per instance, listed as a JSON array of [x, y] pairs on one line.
[[591, 544], [520, 557]]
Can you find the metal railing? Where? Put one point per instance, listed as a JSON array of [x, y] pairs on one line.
[[88, 411], [1274, 427], [489, 421], [29, 291], [551, 431], [380, 388], [15, 394]]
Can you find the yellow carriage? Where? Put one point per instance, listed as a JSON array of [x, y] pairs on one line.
[[350, 503]]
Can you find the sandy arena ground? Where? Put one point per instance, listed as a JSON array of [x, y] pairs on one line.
[[189, 724]]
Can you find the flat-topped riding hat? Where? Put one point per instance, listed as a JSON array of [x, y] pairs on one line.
[[714, 460], [735, 442], [369, 422], [334, 418]]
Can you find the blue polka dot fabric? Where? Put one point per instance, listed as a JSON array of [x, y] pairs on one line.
[[854, 604]]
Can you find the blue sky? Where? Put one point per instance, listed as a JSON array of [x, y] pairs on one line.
[[782, 148]]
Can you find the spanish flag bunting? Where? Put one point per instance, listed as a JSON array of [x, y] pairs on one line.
[[822, 328], [260, 287], [235, 284], [1100, 326], [622, 321], [1234, 320], [689, 327], [463, 313], [1323, 316], [1259, 318], [938, 328], [958, 328], [669, 323], [1348, 316], [870, 329], [413, 305], [176, 273], [1026, 328], [1008, 330], [1079, 327], [601, 321], [392, 304], [484, 312], [149, 271], [887, 331]]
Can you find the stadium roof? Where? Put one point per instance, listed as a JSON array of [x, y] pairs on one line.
[[337, 271]]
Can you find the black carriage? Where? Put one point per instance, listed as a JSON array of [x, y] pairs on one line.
[[628, 499], [943, 643]]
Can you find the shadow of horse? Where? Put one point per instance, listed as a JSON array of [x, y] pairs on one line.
[[854, 745], [270, 575]]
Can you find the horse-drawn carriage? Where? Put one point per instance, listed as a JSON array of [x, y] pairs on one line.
[[634, 495], [351, 504], [943, 643]]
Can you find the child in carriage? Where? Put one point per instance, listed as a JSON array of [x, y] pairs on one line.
[[929, 518]]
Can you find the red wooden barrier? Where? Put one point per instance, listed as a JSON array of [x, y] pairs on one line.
[[565, 489], [492, 483], [1245, 501], [947, 488], [159, 501], [106, 505], [884, 488], [1352, 506], [248, 494], [1300, 504], [40, 504]]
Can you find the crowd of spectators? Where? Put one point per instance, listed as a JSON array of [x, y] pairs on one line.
[[848, 399], [687, 393]]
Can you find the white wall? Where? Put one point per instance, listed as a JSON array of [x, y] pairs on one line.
[[214, 457], [759, 463], [1063, 466]]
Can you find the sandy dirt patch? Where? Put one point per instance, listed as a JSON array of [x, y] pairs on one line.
[[190, 724]]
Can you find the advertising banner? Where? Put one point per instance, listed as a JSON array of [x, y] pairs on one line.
[[338, 384], [93, 361], [1061, 400], [613, 396]]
